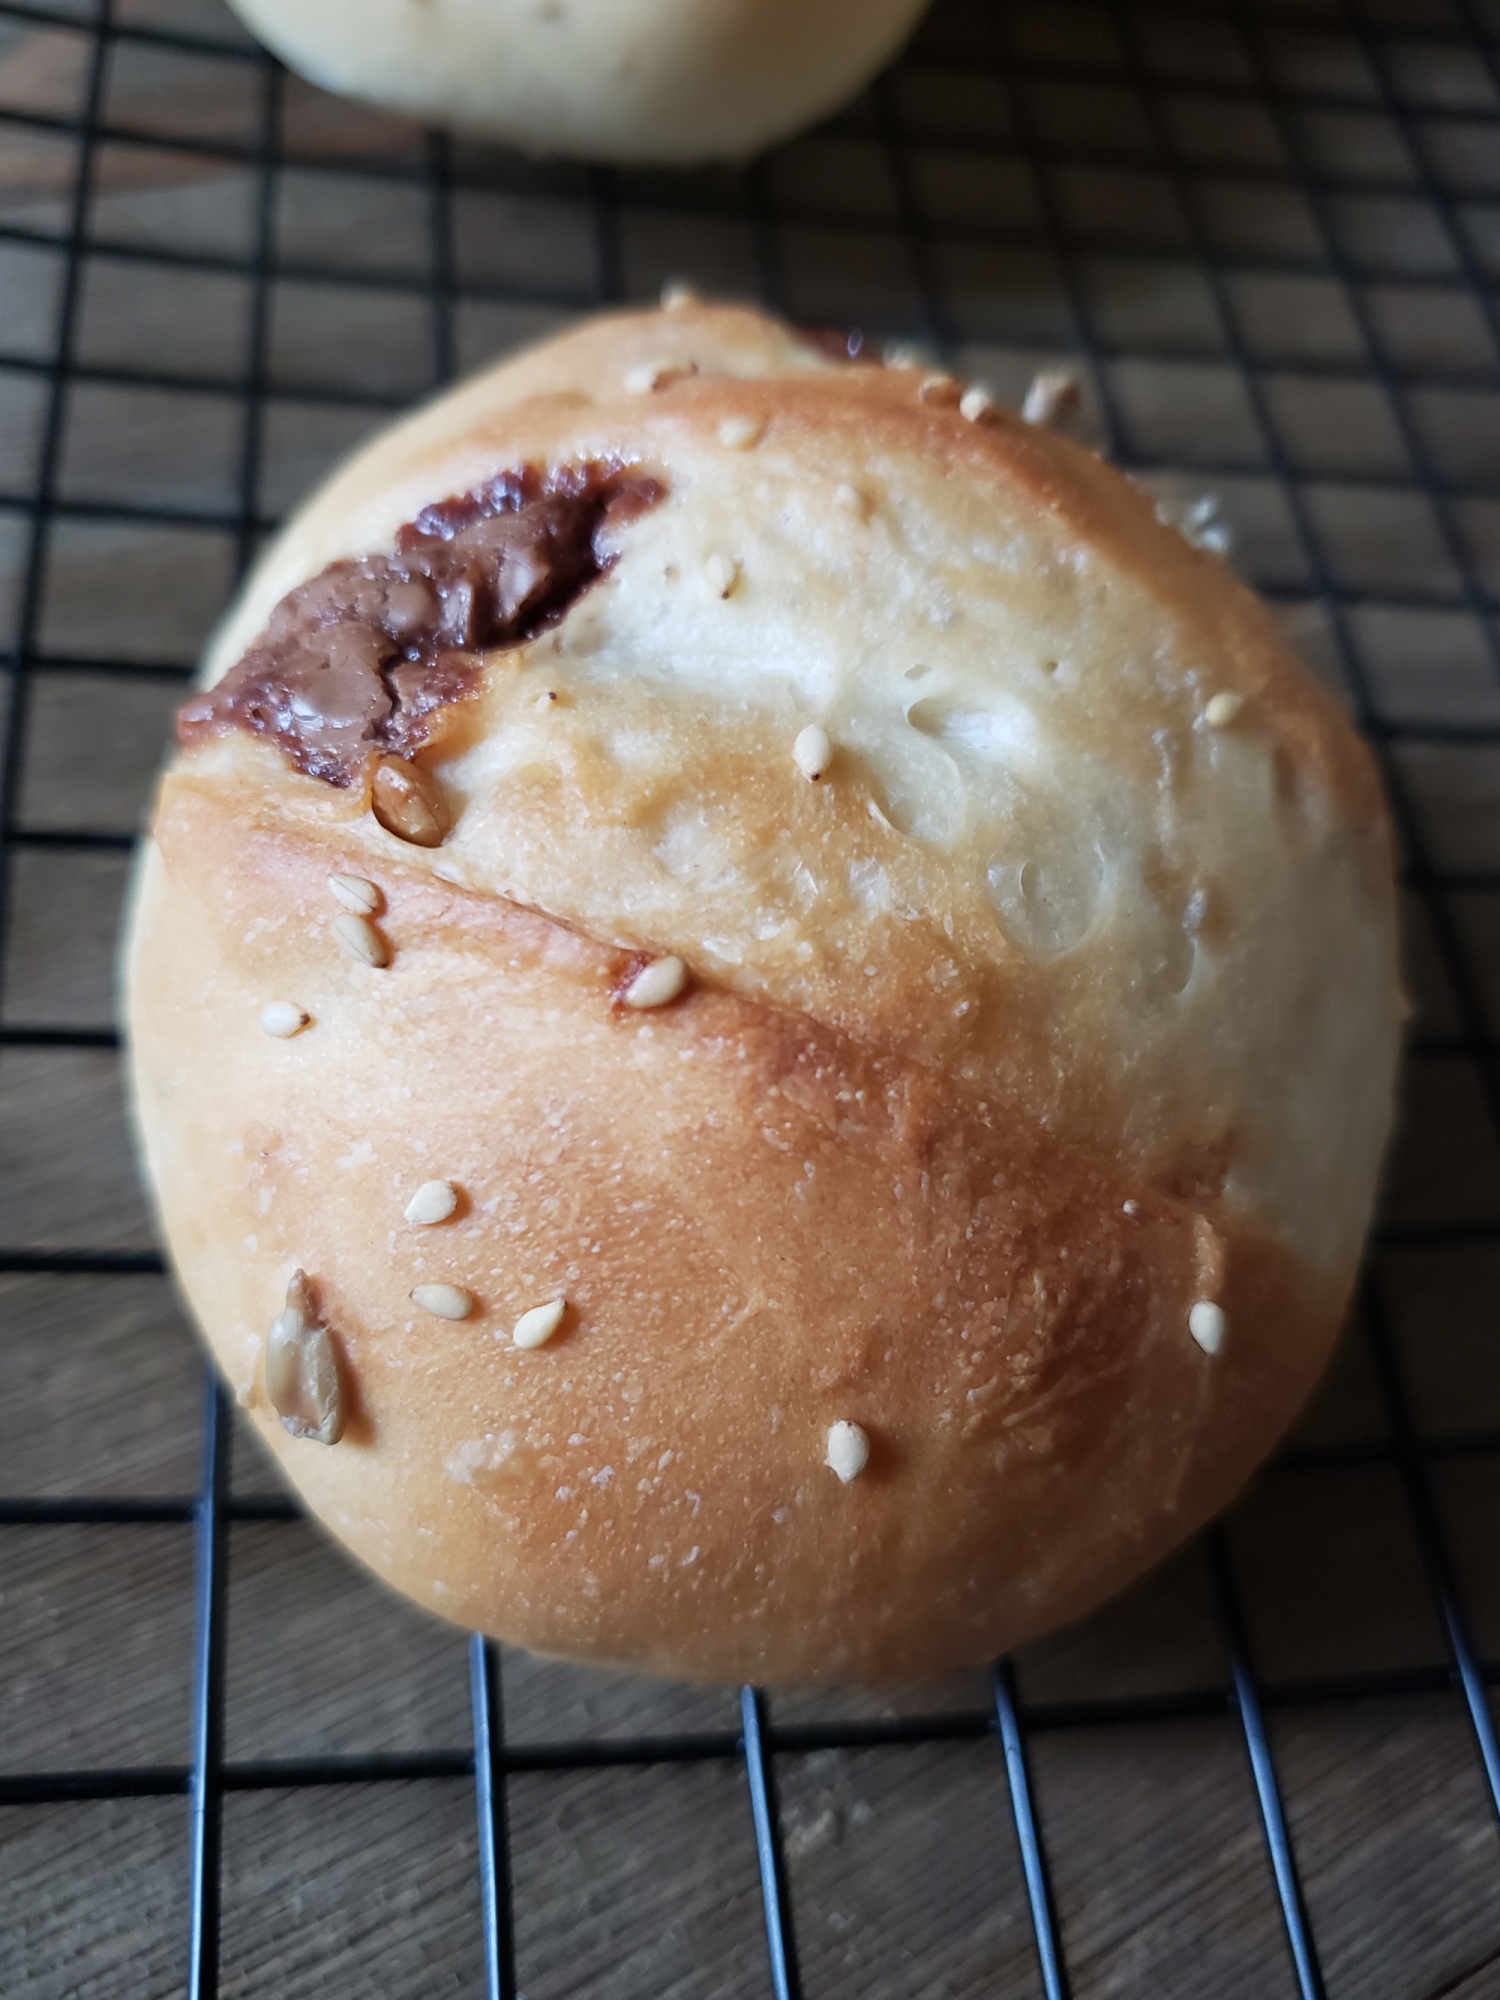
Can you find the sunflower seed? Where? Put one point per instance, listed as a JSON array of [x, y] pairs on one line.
[[409, 803], [303, 1383]]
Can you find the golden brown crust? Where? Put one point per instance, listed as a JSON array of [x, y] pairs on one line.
[[1061, 1003], [761, 1229], [754, 370], [1014, 658]]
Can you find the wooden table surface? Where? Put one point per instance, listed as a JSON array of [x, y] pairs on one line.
[[1270, 237]]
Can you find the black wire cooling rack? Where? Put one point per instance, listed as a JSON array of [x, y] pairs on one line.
[[1269, 235]]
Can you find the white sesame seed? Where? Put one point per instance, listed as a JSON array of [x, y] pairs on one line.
[[677, 293], [434, 1201], [360, 939], [446, 1301], [848, 1451], [1052, 396], [656, 984], [903, 354], [1223, 709], [976, 403], [1206, 1324], [812, 752], [721, 573], [940, 389], [739, 433], [850, 499], [536, 1327], [1128, 1207], [355, 893], [283, 1020], [649, 375]]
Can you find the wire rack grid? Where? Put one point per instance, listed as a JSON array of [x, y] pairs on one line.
[[1268, 235]]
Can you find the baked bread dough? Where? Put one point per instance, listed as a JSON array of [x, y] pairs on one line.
[[625, 80], [858, 1135]]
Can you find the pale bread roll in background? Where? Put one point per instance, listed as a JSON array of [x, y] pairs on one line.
[[1023, 1107], [625, 80]]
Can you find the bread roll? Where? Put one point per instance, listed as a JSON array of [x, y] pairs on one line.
[[626, 80], [857, 1136]]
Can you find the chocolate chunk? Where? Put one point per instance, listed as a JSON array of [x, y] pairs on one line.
[[355, 664], [409, 609]]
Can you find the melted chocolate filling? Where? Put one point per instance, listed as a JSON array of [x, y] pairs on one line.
[[358, 662]]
